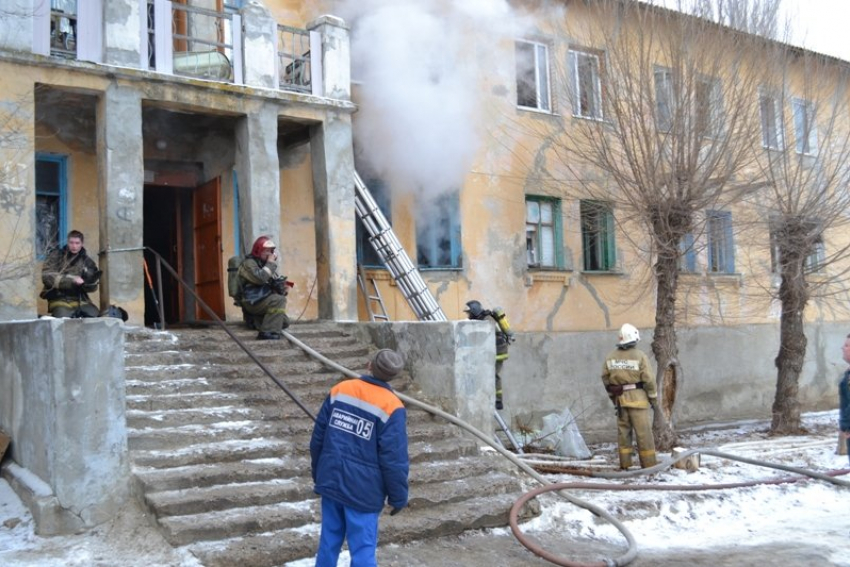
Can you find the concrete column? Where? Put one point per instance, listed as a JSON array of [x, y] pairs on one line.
[[63, 406], [258, 171], [336, 56], [123, 23], [18, 288], [333, 186], [120, 191], [453, 363], [259, 53]]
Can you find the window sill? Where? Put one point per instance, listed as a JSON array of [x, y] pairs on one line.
[[536, 110], [599, 119], [540, 275], [602, 273]]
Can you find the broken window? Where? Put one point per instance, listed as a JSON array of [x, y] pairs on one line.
[[543, 232], [50, 202], [805, 128], [438, 233], [532, 75], [597, 236], [586, 84], [366, 254], [721, 248]]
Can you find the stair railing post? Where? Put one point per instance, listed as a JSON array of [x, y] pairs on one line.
[[161, 306]]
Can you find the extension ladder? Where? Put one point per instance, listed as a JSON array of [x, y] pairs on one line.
[[380, 310], [392, 254]]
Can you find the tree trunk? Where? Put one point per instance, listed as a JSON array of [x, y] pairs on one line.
[[793, 296], [666, 350]]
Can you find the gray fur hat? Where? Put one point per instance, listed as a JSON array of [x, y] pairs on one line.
[[387, 364]]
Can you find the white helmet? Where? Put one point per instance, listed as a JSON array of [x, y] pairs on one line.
[[628, 334]]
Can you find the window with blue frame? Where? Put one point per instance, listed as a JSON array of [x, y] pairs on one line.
[[366, 255], [687, 254], [597, 236], [50, 202], [543, 246], [721, 247], [438, 237]]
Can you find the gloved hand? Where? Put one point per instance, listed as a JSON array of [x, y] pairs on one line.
[[395, 511]]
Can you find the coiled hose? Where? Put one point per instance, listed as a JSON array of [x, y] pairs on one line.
[[547, 486]]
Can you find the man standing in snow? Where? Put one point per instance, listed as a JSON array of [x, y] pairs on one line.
[[844, 398], [360, 460], [631, 387]]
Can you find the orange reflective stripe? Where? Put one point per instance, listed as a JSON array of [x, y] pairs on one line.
[[380, 398]]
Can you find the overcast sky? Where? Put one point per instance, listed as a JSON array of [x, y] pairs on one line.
[[821, 25]]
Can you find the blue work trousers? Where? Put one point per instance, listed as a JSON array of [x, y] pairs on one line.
[[340, 523]]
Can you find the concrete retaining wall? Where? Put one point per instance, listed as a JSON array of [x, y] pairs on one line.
[[727, 373], [62, 403]]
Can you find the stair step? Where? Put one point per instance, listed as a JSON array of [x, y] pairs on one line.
[[210, 474], [280, 547]]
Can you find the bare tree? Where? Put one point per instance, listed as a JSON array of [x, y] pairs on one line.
[[16, 226], [663, 111], [803, 153]]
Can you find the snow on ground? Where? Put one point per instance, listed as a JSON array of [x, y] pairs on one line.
[[768, 519]]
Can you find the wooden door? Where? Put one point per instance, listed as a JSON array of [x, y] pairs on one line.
[[207, 231]]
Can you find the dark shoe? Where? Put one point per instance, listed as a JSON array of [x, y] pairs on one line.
[[499, 405], [265, 336]]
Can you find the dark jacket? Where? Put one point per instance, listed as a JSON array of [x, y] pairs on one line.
[[58, 273], [255, 280], [359, 446], [844, 403]]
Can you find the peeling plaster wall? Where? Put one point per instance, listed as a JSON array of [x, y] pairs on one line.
[[63, 406], [727, 373]]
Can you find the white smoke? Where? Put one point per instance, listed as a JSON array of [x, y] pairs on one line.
[[418, 70]]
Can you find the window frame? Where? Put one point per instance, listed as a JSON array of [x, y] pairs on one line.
[[602, 250], [777, 141], [60, 193], [713, 117], [805, 126], [596, 112], [428, 237], [542, 80], [366, 253], [720, 242], [663, 90], [557, 244]]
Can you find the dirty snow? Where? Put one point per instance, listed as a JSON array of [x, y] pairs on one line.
[[727, 523]]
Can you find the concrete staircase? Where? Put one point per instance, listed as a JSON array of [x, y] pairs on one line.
[[220, 454]]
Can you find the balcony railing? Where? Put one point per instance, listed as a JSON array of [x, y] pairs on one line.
[[194, 42], [293, 54]]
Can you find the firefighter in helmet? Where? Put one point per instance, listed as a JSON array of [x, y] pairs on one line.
[[630, 384], [504, 337]]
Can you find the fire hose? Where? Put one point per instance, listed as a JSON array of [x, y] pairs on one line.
[[547, 486]]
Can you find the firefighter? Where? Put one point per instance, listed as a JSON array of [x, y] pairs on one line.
[[504, 337], [261, 291], [631, 387], [69, 275]]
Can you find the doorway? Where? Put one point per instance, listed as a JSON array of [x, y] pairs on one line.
[[183, 224]]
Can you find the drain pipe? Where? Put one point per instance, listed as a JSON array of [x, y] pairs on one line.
[[624, 559]]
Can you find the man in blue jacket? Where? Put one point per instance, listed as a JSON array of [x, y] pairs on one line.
[[360, 460]]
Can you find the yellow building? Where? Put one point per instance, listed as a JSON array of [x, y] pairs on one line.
[[192, 127]]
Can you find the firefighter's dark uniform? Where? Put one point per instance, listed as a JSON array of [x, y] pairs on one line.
[[629, 368], [64, 297], [269, 312]]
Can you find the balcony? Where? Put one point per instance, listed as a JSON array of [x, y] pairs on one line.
[[183, 38]]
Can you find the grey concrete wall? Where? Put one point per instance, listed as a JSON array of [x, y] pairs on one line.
[[452, 362], [258, 53], [63, 406], [122, 38], [120, 193], [727, 373], [332, 159], [336, 56]]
